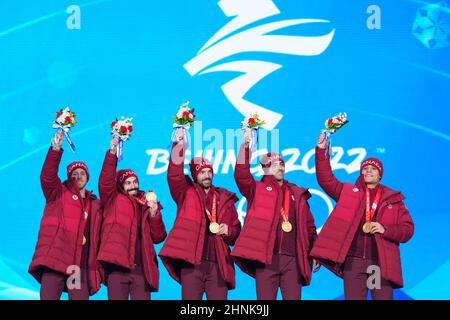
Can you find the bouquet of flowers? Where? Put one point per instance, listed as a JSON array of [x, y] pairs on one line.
[[183, 120], [332, 125], [122, 128], [252, 124], [65, 120]]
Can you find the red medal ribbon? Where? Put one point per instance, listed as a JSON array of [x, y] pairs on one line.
[[86, 205], [213, 215], [370, 211], [142, 199], [284, 211]]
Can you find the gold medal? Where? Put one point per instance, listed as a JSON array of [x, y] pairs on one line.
[[214, 227], [366, 227], [84, 240], [286, 226], [151, 196]]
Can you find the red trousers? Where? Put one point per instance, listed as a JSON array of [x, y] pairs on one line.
[[283, 273], [53, 284], [195, 280], [355, 281], [123, 283]]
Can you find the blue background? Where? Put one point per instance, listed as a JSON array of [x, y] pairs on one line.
[[128, 59]]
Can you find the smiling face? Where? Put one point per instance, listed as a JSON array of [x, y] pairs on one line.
[[204, 178], [371, 175], [131, 186], [277, 169], [80, 178]]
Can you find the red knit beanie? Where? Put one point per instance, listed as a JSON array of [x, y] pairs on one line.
[[123, 175], [267, 159], [77, 165], [197, 164], [372, 162]]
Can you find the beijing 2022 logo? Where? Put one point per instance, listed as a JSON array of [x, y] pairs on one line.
[[235, 38]]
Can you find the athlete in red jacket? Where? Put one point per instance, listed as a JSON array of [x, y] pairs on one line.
[[197, 250], [69, 233], [278, 231], [361, 236], [132, 225]]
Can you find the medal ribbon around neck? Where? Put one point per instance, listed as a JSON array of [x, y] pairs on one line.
[[370, 211], [214, 227], [284, 211], [212, 216]]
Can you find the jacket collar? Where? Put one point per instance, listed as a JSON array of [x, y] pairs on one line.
[[74, 189], [202, 191], [141, 194], [270, 180], [388, 195], [223, 194]]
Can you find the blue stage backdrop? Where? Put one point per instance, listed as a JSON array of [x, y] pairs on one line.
[[384, 62]]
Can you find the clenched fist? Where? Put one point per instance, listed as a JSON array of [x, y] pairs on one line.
[[247, 138], [113, 145], [57, 141], [321, 142]]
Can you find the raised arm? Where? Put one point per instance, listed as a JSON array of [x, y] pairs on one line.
[[50, 182], [175, 172], [311, 227], [244, 179], [107, 181], [324, 173]]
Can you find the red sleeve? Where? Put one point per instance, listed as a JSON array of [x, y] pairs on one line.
[[107, 182], [50, 182], [234, 227], [175, 174], [244, 179], [311, 227], [403, 230], [325, 176], [157, 228]]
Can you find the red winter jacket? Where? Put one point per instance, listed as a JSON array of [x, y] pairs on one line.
[[341, 226], [186, 239], [62, 227], [119, 231], [257, 239]]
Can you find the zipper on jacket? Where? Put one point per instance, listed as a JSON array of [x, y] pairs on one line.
[[201, 227], [365, 245], [134, 220], [347, 233], [280, 248], [83, 222]]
